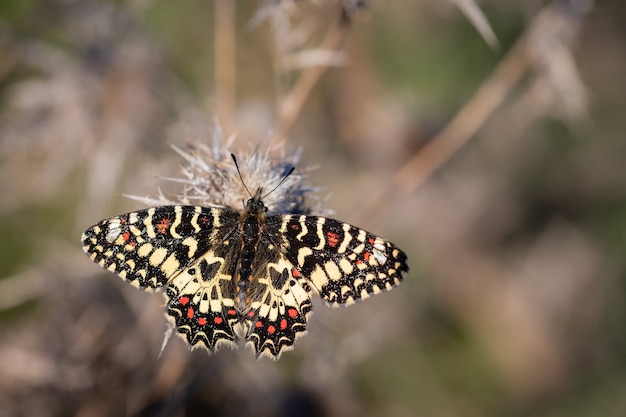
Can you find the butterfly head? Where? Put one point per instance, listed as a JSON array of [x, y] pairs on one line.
[[255, 204]]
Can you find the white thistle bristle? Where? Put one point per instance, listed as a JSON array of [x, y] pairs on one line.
[[210, 178]]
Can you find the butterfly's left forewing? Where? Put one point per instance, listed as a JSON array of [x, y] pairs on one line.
[[343, 263]]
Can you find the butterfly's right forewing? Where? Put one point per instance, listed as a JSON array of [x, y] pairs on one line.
[[148, 248]]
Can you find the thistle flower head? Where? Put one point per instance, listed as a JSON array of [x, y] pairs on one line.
[[210, 178]]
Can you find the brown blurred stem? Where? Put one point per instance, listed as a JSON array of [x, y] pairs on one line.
[[225, 63], [466, 122], [293, 102], [474, 114]]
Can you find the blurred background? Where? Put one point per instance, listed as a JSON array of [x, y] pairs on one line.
[[491, 150]]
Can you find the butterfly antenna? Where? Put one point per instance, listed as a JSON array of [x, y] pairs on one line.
[[240, 177], [281, 181]]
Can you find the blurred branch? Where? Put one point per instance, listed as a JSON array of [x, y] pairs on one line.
[[9, 59], [477, 18], [551, 28], [225, 62], [292, 104]]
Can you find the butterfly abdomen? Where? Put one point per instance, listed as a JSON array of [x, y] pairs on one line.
[[250, 230]]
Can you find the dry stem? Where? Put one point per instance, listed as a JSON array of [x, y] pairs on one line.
[[472, 116], [225, 63], [293, 102]]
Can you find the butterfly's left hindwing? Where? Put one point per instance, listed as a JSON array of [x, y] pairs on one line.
[[149, 247]]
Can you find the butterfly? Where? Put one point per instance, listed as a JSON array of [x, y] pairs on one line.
[[220, 268]]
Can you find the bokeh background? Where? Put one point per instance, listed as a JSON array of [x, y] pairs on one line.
[[499, 167]]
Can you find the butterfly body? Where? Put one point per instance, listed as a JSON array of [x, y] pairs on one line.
[[251, 222]]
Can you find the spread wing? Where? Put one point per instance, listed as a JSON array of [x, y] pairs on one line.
[[279, 306], [343, 263], [201, 304], [148, 248], [185, 250]]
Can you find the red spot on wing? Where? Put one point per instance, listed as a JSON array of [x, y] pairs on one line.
[[190, 313], [218, 320], [283, 324], [122, 221], [366, 256], [231, 312], [295, 273], [127, 238], [371, 240], [332, 239], [295, 227], [163, 226], [271, 329], [358, 261], [259, 324], [202, 321], [184, 300], [251, 314], [292, 312]]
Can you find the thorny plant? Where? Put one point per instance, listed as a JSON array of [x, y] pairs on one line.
[[210, 178]]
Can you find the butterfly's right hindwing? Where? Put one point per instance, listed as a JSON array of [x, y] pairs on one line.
[[149, 247]]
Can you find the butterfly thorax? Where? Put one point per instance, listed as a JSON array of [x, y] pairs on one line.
[[251, 222]]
